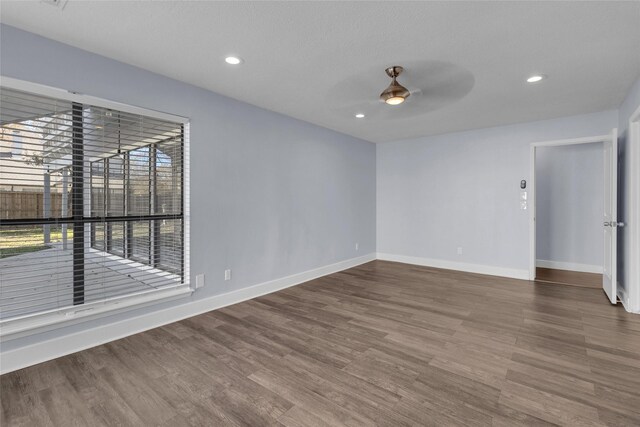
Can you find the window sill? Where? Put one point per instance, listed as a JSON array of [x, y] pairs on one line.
[[19, 327]]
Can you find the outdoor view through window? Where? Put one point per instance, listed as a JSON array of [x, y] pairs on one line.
[[91, 204]]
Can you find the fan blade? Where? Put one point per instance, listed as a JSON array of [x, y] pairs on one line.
[[433, 85]]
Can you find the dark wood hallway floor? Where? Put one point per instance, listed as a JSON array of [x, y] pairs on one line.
[[571, 278], [381, 344]]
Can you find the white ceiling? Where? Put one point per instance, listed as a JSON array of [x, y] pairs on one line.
[[322, 62]]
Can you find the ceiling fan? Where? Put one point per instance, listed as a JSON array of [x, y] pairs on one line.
[[395, 93], [427, 85]]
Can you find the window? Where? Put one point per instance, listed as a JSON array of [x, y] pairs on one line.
[[92, 205]]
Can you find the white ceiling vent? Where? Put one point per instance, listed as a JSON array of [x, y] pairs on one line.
[[57, 3]]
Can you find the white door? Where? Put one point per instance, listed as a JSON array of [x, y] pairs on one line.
[[609, 280]]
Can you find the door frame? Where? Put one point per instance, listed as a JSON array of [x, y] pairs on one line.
[[633, 222], [531, 202]]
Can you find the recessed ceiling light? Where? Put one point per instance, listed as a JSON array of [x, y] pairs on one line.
[[536, 78], [233, 60], [359, 116]]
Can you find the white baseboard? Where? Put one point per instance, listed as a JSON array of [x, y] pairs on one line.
[[460, 266], [571, 266], [46, 350]]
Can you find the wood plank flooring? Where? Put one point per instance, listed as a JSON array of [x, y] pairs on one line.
[[566, 277], [383, 344]]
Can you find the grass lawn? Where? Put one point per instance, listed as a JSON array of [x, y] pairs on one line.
[[6, 253], [27, 239]]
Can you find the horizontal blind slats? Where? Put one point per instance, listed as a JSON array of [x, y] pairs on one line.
[[128, 215]]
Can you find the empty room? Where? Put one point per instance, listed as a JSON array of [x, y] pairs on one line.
[[319, 213]]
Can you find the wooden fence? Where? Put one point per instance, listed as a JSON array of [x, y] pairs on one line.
[[28, 205]]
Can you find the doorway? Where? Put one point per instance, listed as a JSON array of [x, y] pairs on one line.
[[569, 206], [572, 203]]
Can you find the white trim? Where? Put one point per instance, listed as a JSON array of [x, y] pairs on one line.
[[459, 266], [572, 141], [186, 203], [14, 328], [633, 222], [532, 188], [532, 213], [70, 95], [626, 300], [570, 266], [46, 350], [59, 318], [623, 297]]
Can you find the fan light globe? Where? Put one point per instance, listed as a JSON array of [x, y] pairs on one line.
[[395, 94], [395, 100]]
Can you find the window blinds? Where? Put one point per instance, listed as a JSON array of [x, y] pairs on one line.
[[91, 204]]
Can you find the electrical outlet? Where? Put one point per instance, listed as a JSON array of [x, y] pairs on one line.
[[357, 246], [227, 274], [199, 281], [459, 250]]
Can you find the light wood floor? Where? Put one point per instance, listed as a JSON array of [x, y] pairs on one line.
[[566, 277], [381, 344]]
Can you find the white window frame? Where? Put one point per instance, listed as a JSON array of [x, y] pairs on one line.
[[58, 318]]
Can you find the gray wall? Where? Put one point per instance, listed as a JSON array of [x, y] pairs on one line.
[[625, 160], [462, 190], [569, 204], [271, 196]]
